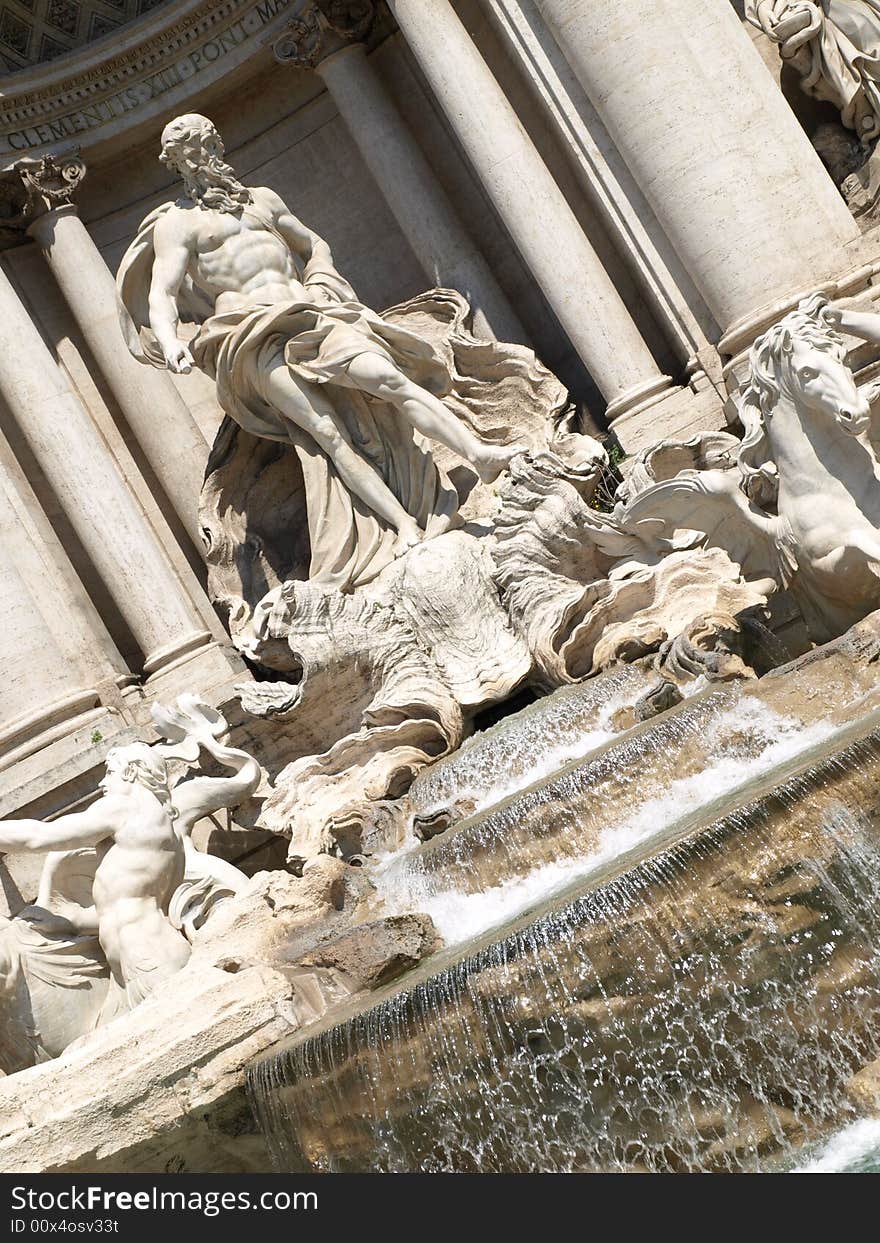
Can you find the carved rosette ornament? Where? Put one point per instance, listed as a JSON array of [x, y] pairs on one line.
[[320, 29], [301, 42]]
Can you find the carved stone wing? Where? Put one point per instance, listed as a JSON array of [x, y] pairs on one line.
[[706, 508]]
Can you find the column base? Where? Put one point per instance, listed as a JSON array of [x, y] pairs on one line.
[[37, 777], [677, 415], [208, 670], [638, 398], [35, 730]]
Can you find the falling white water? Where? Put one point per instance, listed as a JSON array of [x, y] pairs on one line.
[[531, 745], [853, 1150], [704, 1009], [744, 742]]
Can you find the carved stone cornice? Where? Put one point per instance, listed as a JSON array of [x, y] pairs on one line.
[[320, 28]]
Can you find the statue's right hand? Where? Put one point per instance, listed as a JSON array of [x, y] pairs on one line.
[[178, 358], [833, 317]]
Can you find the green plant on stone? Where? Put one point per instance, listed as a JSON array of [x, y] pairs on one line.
[[610, 479]]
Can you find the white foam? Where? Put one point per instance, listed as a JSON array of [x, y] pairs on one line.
[[480, 778], [857, 1144], [459, 916]]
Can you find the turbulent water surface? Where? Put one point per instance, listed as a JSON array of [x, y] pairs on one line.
[[696, 1000], [734, 743], [853, 1150]]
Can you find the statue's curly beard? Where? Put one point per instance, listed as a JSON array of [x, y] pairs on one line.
[[215, 185]]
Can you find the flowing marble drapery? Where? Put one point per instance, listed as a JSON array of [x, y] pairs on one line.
[[835, 46], [317, 336]]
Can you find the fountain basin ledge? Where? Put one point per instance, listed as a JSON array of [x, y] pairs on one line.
[[172, 1075]]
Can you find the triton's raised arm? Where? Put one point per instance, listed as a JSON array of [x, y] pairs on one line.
[[192, 726], [863, 324], [201, 796]]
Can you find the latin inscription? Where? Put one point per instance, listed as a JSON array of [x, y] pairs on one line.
[[189, 66]]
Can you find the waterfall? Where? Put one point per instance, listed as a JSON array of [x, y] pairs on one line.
[[699, 1007], [592, 811], [531, 744]]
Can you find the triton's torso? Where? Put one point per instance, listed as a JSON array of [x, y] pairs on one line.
[[138, 870]]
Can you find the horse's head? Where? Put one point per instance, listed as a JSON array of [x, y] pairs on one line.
[[802, 359], [823, 384]]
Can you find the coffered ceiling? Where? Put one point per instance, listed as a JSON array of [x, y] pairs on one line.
[[33, 31]]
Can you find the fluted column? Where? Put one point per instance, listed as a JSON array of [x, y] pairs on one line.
[[532, 206], [106, 517], [163, 426], [713, 145], [57, 662], [418, 202]]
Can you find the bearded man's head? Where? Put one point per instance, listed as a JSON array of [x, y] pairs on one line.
[[138, 764], [194, 149]]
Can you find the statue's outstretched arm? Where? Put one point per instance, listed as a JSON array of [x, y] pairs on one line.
[[863, 324], [81, 828], [201, 796]]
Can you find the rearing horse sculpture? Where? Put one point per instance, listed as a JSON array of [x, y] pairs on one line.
[[803, 508]]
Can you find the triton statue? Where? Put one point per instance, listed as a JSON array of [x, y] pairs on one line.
[[119, 885]]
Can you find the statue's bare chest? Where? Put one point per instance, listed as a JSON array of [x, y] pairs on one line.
[[229, 247], [224, 234]]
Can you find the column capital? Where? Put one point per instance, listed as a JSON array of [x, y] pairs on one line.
[[321, 28], [52, 180], [32, 188]]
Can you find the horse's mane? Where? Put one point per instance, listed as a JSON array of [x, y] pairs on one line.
[[768, 382]]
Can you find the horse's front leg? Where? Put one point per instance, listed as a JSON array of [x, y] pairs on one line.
[[850, 572]]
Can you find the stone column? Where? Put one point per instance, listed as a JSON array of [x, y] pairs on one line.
[[58, 662], [714, 147], [416, 198], [105, 516], [163, 426], [532, 207]]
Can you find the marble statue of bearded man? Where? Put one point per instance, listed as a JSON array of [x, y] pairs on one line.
[[297, 358], [835, 46]]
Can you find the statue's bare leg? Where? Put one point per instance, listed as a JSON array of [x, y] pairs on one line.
[[313, 413], [377, 375]]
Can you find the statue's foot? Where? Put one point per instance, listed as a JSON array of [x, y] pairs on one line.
[[494, 459], [408, 536]]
